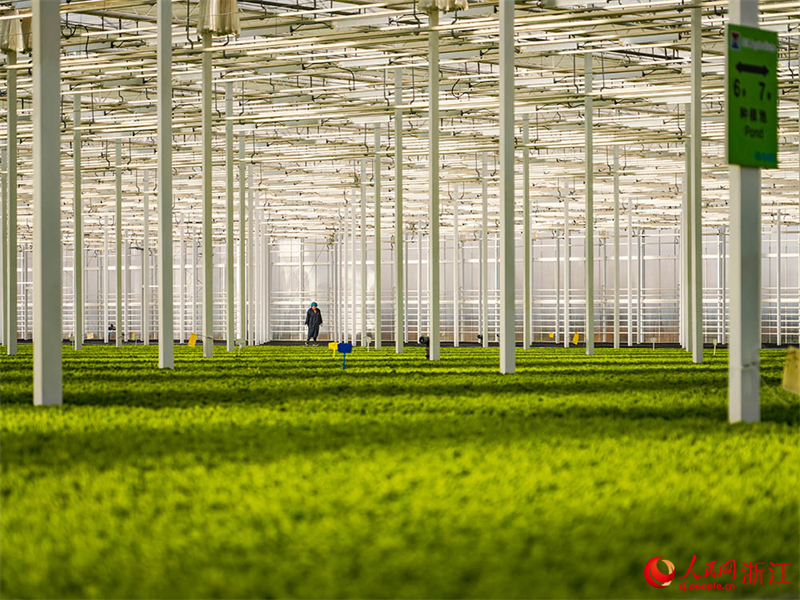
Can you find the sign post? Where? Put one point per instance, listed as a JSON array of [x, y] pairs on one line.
[[752, 144], [752, 91]]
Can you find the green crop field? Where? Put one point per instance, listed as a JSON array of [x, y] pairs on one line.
[[275, 474]]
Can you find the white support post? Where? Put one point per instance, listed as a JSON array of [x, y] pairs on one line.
[[230, 284], [589, 161], [343, 279], [456, 278], [106, 282], [556, 335], [77, 208], [720, 286], [3, 245], [401, 291], [377, 192], [419, 278], [208, 168], [363, 246], [433, 174], [405, 289], [166, 309], [250, 320], [126, 297], [12, 256], [778, 330], [256, 261], [193, 298], [507, 156], [697, 186], [616, 247], [267, 284], [146, 263], [744, 376], [242, 248], [630, 270], [640, 289], [567, 270], [686, 237], [484, 252], [118, 242], [353, 291], [334, 274], [526, 233], [182, 286], [47, 292], [724, 288]]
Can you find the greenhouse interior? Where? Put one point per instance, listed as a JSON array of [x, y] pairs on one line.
[[536, 247]]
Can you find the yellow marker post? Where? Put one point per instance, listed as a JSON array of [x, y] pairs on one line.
[[333, 346], [193, 340], [552, 335], [791, 371], [575, 338]]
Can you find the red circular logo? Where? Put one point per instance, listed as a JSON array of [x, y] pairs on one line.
[[655, 577]]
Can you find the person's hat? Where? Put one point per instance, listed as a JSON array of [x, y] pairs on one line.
[[313, 304]]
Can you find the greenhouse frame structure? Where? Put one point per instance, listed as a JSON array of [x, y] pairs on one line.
[[512, 160]]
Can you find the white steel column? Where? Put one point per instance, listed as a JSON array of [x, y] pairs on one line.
[[556, 336], [456, 278], [399, 238], [526, 233], [3, 245], [106, 281], [118, 241], [146, 263], [567, 274], [377, 192], [744, 377], [507, 156], [47, 328], [778, 331], [343, 279], [166, 337], [363, 244], [267, 282], [616, 246], [405, 289], [724, 287], [640, 289], [182, 286], [686, 260], [484, 253], [126, 285], [433, 174], [208, 258], [353, 303], [242, 249], [697, 187], [250, 259], [630, 270], [230, 283], [419, 279], [720, 285], [77, 208], [11, 256], [589, 243]]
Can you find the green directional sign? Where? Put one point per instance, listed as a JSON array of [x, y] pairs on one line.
[[752, 96]]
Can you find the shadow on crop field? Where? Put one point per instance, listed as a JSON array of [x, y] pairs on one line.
[[358, 434], [667, 387]]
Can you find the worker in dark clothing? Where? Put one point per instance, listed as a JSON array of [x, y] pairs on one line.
[[313, 321]]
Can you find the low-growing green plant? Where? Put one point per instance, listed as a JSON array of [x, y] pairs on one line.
[[272, 473]]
